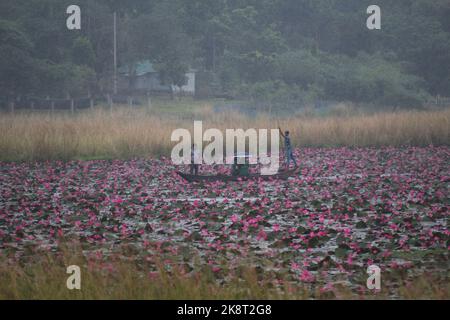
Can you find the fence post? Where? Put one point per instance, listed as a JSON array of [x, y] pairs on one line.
[[149, 102], [110, 102], [72, 106], [11, 106], [130, 102], [91, 103], [32, 105], [52, 106]]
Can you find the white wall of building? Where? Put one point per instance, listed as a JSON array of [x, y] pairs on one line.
[[189, 87]]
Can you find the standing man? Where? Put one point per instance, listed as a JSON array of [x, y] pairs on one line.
[[287, 148]]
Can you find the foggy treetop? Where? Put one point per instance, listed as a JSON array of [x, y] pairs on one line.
[[280, 50]]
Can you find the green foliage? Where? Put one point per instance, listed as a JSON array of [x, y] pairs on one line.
[[16, 62], [371, 78], [66, 79], [275, 50], [303, 77], [157, 36], [83, 52], [299, 67]]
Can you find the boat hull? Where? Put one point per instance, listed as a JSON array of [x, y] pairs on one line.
[[221, 177]]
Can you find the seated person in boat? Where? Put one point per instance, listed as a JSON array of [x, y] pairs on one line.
[[194, 156], [239, 169]]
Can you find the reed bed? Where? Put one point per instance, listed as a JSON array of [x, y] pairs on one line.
[[123, 133]]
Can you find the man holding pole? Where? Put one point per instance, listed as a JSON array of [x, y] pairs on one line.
[[287, 148]]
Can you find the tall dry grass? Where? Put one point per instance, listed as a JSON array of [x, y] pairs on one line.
[[125, 133]]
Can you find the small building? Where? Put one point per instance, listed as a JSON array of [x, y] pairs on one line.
[[147, 79]]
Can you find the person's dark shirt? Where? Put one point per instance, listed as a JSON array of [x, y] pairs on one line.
[[287, 142]]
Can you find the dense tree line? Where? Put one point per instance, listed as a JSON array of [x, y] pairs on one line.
[[269, 50]]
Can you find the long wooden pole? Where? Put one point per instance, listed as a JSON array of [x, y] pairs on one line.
[[115, 52]]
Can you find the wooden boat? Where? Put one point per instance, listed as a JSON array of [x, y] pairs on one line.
[[222, 177]]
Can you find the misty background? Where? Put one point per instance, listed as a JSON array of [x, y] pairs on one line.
[[279, 52]]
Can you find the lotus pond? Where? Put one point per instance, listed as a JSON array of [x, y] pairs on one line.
[[347, 209]]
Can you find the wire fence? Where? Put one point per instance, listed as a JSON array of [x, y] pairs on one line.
[[69, 104], [440, 101], [83, 103]]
